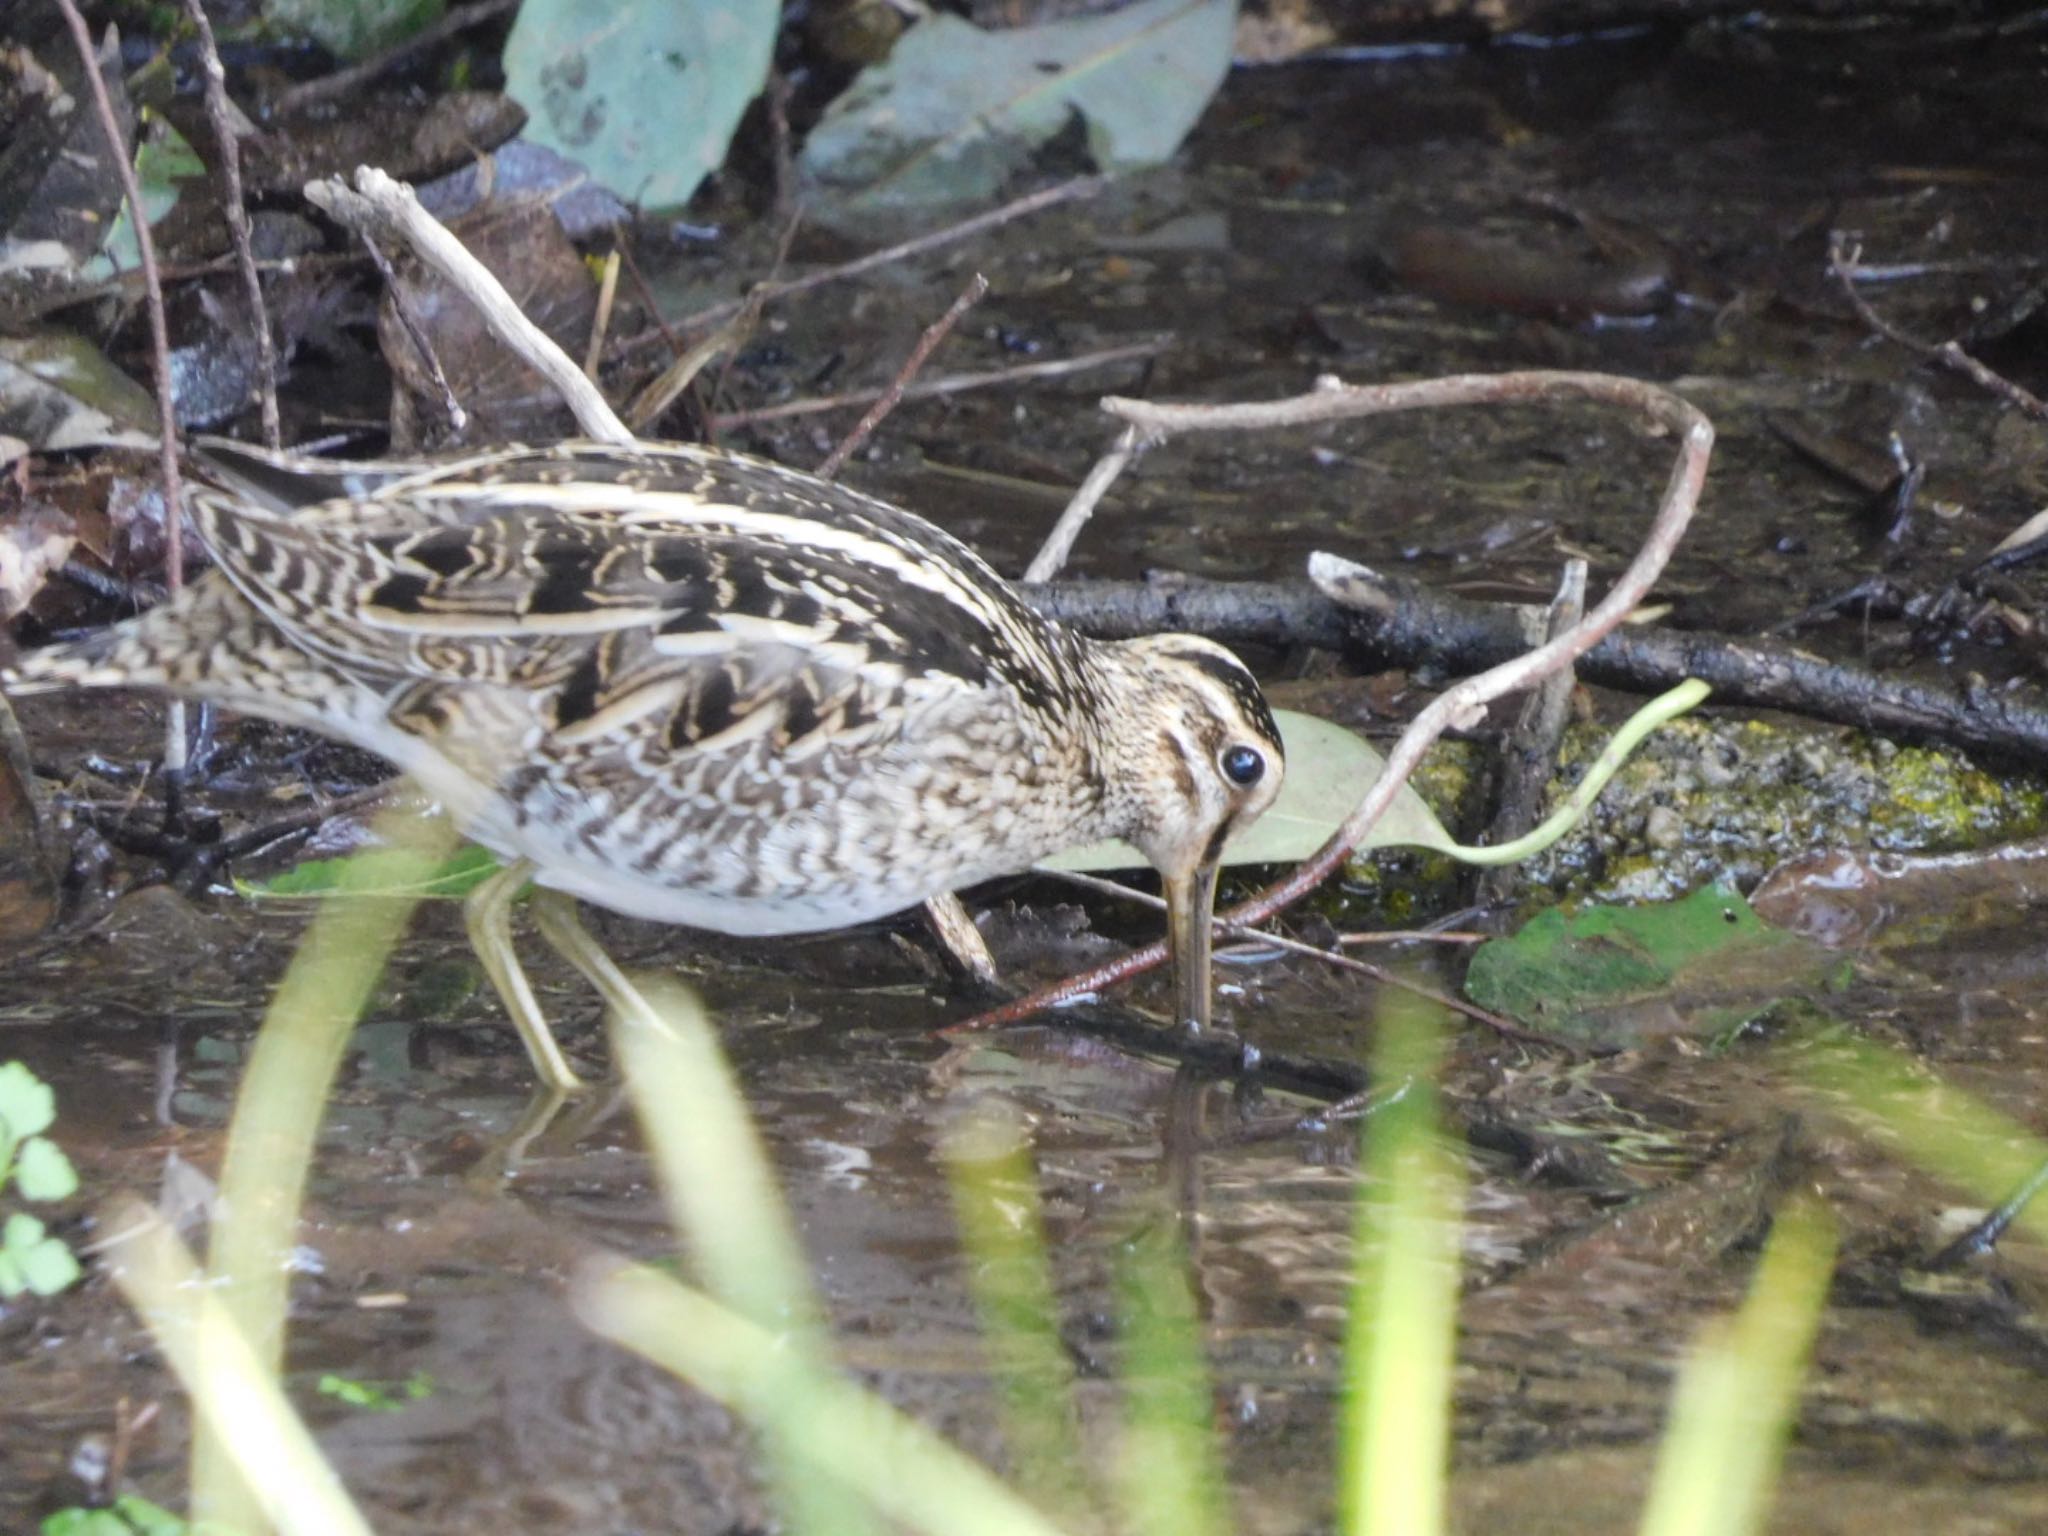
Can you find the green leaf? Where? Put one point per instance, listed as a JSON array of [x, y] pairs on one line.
[[1329, 770], [129, 1515], [955, 111], [62, 392], [43, 1172], [163, 162], [381, 872], [645, 94], [31, 1259], [21, 1232], [376, 1396], [349, 29], [1610, 976], [27, 1106], [48, 1267]]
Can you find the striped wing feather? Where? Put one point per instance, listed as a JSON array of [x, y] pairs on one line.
[[663, 600]]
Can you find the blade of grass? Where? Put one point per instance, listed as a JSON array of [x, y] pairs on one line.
[[1170, 1472], [1948, 1132], [292, 1066], [1002, 1230], [857, 1441], [1394, 1437], [1732, 1411], [714, 1173], [724, 1201], [233, 1386]]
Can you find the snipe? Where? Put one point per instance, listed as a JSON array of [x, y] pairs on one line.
[[696, 687]]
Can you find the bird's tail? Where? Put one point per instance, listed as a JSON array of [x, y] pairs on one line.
[[206, 643]]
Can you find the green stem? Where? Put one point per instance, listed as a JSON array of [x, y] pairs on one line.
[[1666, 707]]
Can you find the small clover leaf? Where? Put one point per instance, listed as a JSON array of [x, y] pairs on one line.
[[32, 1260], [43, 1172], [27, 1105]]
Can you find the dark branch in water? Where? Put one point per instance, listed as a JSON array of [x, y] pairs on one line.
[[1410, 625]]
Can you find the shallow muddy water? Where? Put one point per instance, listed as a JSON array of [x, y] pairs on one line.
[[1615, 1203]]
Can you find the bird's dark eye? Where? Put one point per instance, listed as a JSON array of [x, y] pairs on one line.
[[1243, 766]]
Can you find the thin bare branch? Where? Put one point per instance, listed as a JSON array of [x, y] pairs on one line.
[[1061, 192], [1842, 263], [667, 387], [422, 344], [886, 402], [229, 145], [160, 362], [950, 384], [1059, 544]]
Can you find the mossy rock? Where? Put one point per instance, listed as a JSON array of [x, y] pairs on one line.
[[1708, 800]]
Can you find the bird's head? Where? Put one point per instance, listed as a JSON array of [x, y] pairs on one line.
[[1194, 755]]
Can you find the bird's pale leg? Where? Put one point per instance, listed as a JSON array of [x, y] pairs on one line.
[[487, 913], [556, 916]]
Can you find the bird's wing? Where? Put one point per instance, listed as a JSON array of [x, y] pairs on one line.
[[676, 599]]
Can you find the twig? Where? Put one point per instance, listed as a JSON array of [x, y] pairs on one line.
[[1059, 544], [744, 323], [778, 95], [422, 344], [342, 81], [379, 204], [665, 388], [1949, 354], [1333, 400], [951, 384], [607, 293], [1528, 757], [230, 146], [160, 360], [1414, 936], [1061, 192], [648, 302], [887, 400]]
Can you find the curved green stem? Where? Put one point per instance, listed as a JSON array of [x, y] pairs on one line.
[[1666, 707]]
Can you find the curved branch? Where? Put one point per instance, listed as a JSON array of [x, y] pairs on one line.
[[1332, 400]]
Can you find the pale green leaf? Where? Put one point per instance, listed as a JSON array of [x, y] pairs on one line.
[[43, 1172], [164, 161], [384, 872], [129, 1515], [644, 94], [955, 111], [48, 1267], [27, 1106], [60, 392]]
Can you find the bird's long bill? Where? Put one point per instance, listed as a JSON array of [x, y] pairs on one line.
[[1190, 903]]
